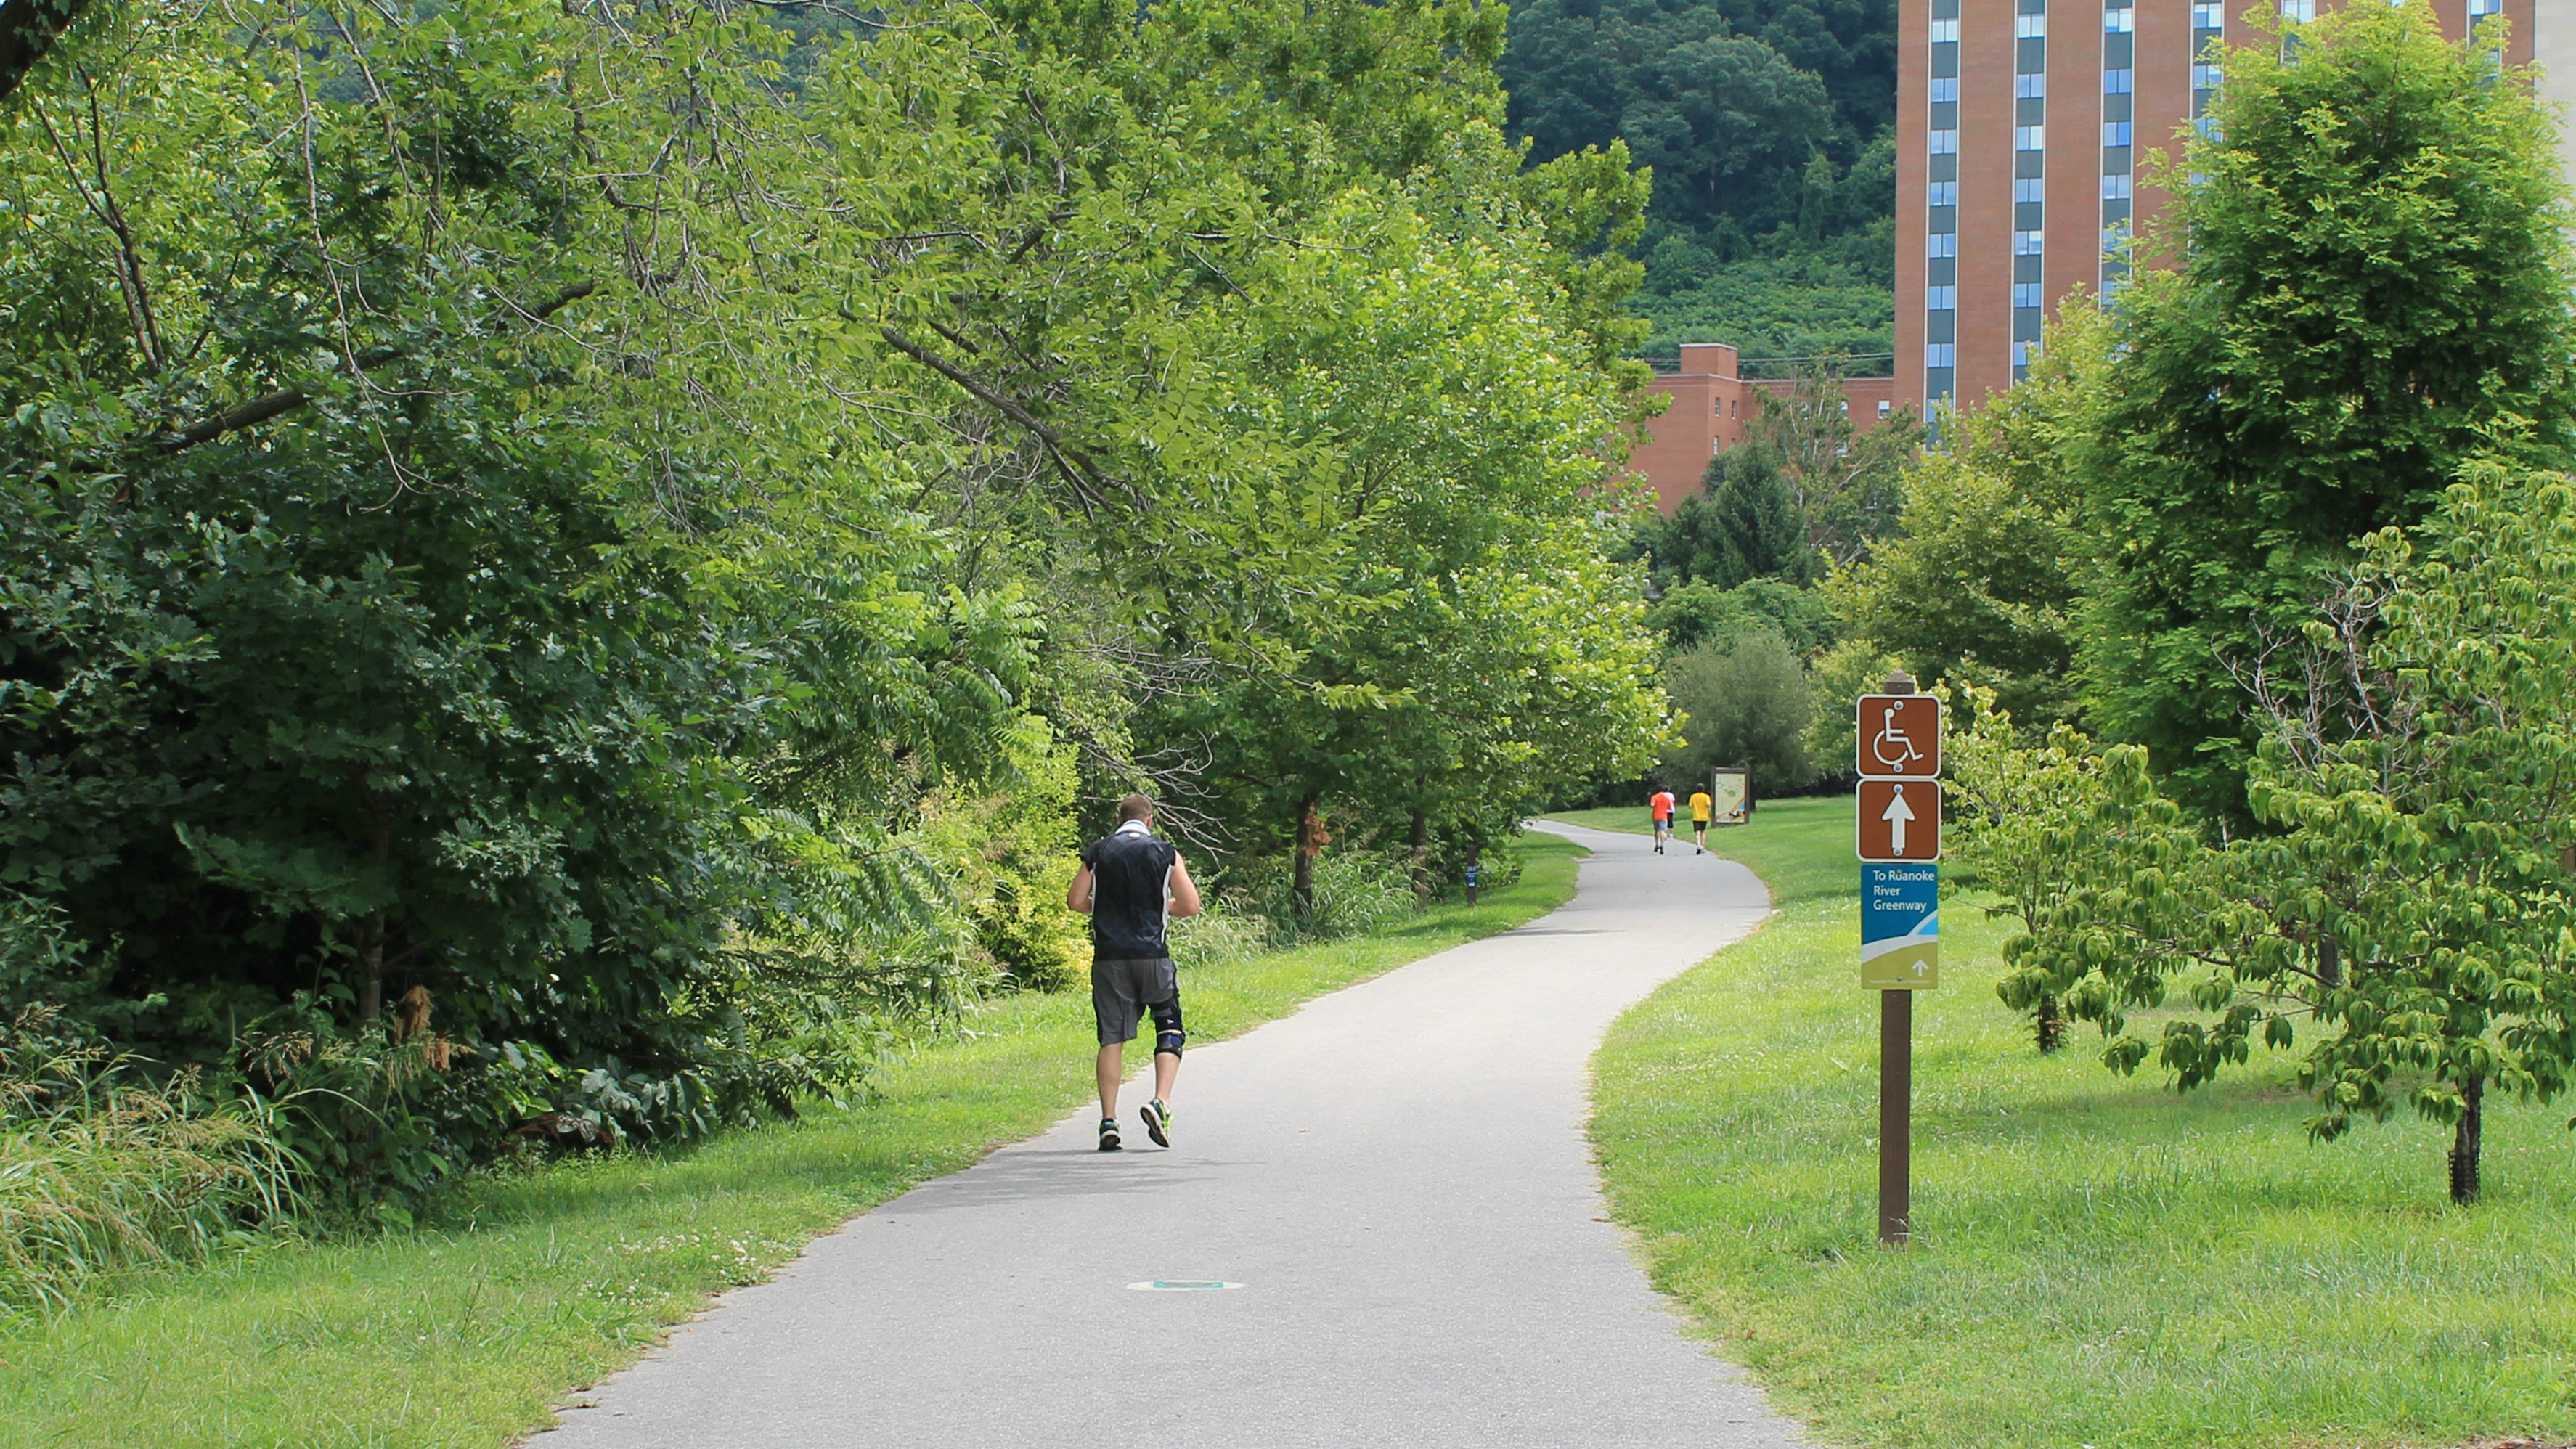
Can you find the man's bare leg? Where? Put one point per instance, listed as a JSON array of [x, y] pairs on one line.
[[1112, 1068], [1167, 1070]]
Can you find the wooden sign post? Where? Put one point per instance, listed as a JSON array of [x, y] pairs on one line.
[[1896, 831]]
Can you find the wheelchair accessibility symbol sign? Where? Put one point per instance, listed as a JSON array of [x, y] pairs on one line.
[[1899, 737]]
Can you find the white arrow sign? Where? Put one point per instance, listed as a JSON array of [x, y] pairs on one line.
[[1896, 814]]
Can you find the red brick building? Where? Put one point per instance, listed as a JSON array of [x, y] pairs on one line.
[[2022, 129], [1712, 405]]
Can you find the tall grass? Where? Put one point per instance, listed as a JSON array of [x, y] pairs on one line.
[[103, 1170]]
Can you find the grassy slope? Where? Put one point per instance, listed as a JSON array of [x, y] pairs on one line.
[[2098, 1261], [464, 1333]]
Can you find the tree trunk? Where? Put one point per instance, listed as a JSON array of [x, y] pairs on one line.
[[2466, 1140], [1475, 858], [371, 990], [2049, 1024], [371, 949], [1422, 855], [2329, 962], [28, 28], [1302, 883]]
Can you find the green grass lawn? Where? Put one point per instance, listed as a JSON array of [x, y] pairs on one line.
[[523, 1286], [2097, 1261]]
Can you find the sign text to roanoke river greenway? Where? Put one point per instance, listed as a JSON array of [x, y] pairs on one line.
[[1900, 923]]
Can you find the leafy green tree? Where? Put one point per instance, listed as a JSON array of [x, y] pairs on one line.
[[2405, 910], [28, 29], [1836, 677], [1983, 580], [1725, 120], [1465, 659], [2375, 284], [1745, 701], [1743, 524], [1692, 614], [1842, 480], [1769, 127], [433, 568]]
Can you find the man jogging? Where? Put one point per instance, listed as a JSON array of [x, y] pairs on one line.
[[1701, 805], [1660, 805], [1131, 884]]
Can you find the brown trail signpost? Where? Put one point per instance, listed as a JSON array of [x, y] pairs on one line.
[[1896, 831]]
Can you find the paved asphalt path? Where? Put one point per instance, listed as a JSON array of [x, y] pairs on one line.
[[1396, 1176]]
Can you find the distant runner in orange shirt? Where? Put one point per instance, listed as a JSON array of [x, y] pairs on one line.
[[1701, 805], [1660, 804]]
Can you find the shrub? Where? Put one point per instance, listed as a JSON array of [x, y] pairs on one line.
[[1747, 701], [1353, 896], [1223, 932]]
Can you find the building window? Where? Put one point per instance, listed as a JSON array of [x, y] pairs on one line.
[[2119, 160], [1941, 203], [2480, 12], [2208, 22], [2030, 152]]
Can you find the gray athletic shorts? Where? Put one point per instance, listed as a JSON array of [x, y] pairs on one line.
[[1123, 991]]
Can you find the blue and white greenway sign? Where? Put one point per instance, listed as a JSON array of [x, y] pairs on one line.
[[1900, 927]]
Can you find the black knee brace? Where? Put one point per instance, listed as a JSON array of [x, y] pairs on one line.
[[1168, 1035]]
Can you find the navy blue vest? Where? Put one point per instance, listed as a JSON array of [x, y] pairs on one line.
[[1128, 873]]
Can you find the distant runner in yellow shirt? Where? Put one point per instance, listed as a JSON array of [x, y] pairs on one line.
[[1701, 805]]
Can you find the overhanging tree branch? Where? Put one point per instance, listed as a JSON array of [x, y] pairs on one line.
[[287, 399], [1088, 489]]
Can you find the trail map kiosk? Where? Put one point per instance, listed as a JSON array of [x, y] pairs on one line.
[[1729, 793]]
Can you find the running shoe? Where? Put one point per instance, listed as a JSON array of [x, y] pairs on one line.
[[1108, 1134], [1158, 1122]]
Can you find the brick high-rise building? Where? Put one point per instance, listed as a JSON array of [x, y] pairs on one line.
[[2021, 126]]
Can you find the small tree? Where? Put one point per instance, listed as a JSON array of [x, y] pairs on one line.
[[1842, 479], [2409, 906]]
